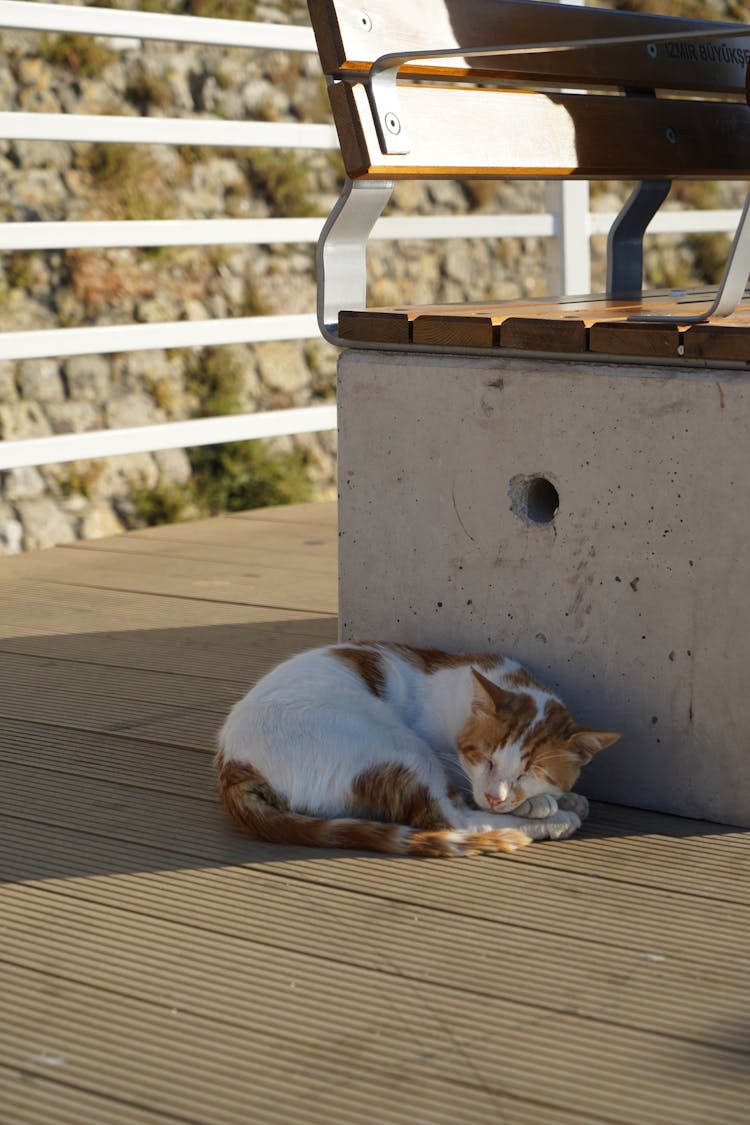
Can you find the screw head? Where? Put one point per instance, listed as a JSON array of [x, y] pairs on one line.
[[364, 21], [392, 123], [671, 136], [652, 51]]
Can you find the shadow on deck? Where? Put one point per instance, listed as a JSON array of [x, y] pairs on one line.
[[159, 967]]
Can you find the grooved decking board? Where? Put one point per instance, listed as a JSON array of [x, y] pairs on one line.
[[97, 756], [114, 629], [572, 325], [45, 1096], [304, 547], [39, 924], [84, 684], [150, 977], [157, 965], [195, 827], [174, 576]]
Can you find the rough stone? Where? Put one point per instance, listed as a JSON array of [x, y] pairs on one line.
[[119, 474], [132, 370], [460, 265], [88, 376], [40, 379], [73, 417], [44, 154], [22, 420], [44, 525], [8, 389], [39, 191], [11, 531], [157, 310], [100, 521], [173, 465], [282, 366], [23, 483], [132, 410]]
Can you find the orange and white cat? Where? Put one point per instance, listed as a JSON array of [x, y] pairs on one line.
[[389, 748]]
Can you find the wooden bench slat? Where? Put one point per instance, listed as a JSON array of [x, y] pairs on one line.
[[346, 44], [463, 325], [544, 135], [569, 326], [720, 341]]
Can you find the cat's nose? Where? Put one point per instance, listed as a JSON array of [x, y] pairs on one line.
[[493, 800]]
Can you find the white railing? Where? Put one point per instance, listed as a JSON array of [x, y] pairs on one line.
[[568, 220]]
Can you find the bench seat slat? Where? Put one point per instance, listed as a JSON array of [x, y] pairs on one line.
[[504, 133], [568, 326], [346, 44]]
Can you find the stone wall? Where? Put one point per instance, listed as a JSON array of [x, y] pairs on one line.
[[41, 290]]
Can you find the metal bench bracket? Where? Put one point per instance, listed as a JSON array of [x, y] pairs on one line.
[[625, 242], [341, 256], [732, 286]]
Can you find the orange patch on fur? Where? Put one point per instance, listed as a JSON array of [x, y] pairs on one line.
[[249, 799], [263, 813], [367, 663], [395, 794], [545, 751], [452, 843], [482, 732], [520, 679], [430, 660]]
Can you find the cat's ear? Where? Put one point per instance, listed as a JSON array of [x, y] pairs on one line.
[[586, 743], [487, 698]]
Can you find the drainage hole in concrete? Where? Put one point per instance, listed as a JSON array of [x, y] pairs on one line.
[[534, 498]]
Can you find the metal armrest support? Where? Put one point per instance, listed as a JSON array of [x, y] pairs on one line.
[[341, 256], [625, 241], [732, 286]]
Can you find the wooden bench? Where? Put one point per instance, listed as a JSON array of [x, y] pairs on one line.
[[519, 88]]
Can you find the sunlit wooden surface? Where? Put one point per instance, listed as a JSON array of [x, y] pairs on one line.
[[157, 966]]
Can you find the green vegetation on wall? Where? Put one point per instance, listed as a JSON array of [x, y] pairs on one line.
[[230, 477]]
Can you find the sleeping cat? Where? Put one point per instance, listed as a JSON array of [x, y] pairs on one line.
[[389, 748]]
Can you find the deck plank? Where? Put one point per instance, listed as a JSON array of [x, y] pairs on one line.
[[158, 966]]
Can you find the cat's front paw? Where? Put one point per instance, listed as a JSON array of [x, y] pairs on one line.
[[536, 808], [574, 802], [557, 827]]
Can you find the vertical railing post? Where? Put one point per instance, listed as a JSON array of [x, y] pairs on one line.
[[569, 259]]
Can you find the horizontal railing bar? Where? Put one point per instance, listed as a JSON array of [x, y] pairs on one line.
[[254, 232], [154, 25], [206, 232], [60, 448], [165, 130], [106, 339], [712, 221]]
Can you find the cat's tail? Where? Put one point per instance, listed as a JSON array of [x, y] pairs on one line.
[[260, 811]]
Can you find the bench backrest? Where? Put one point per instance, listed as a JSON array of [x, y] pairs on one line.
[[468, 122]]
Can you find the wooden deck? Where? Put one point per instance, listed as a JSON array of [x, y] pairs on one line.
[[158, 967]]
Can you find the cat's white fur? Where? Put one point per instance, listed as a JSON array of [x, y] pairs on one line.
[[312, 726]]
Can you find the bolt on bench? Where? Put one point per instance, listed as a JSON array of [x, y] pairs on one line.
[[562, 480]]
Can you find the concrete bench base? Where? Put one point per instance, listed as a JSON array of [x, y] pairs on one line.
[[592, 521]]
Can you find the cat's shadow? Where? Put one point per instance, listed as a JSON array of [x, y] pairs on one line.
[[106, 751]]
